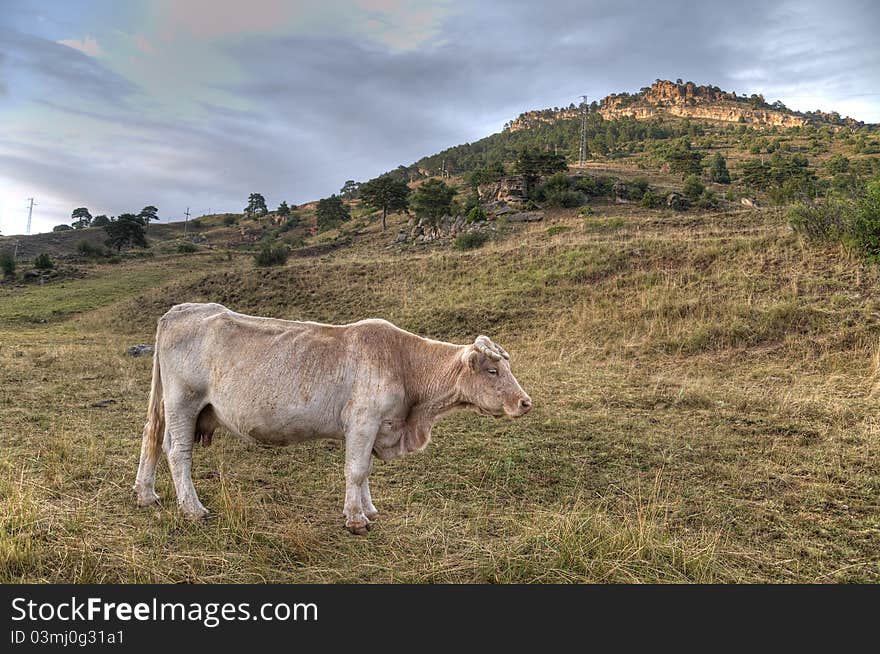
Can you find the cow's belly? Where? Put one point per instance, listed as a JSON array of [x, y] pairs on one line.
[[280, 427]]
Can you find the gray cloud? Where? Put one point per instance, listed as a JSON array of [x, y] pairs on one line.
[[323, 110], [59, 71]]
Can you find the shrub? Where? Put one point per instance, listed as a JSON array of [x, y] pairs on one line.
[[476, 214], [863, 227], [470, 240], [567, 198], [229, 220], [557, 229], [837, 164], [693, 187], [88, 249], [272, 254], [62, 228], [186, 247], [718, 172], [678, 202], [7, 264], [649, 200], [707, 200], [595, 187], [43, 262], [817, 221], [636, 189], [291, 222]]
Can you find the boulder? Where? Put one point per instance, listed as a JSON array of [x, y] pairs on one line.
[[139, 350]]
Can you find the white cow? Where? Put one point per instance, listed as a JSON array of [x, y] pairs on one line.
[[375, 386]]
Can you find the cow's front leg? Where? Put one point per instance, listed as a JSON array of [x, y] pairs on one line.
[[358, 452]]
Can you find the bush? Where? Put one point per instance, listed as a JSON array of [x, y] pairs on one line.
[[693, 187], [476, 214], [229, 220], [595, 187], [863, 227], [718, 172], [649, 200], [88, 249], [43, 262], [186, 247], [7, 264], [636, 189], [707, 200], [272, 254], [678, 202], [817, 221], [566, 198], [470, 240], [291, 222]]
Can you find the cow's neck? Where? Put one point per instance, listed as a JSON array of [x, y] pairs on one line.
[[435, 388]]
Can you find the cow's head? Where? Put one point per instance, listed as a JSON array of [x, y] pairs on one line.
[[487, 386]]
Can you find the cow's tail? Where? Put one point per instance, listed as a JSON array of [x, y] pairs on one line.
[[155, 427], [154, 430]]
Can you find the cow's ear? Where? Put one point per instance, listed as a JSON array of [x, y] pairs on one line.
[[472, 358]]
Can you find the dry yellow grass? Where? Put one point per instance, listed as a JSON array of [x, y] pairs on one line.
[[705, 411]]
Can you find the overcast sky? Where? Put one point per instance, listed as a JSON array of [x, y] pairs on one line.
[[115, 105]]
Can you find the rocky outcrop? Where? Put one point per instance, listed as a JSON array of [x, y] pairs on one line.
[[421, 231], [701, 102], [689, 100], [509, 189]]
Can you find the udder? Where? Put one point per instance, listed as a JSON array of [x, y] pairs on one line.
[[206, 425]]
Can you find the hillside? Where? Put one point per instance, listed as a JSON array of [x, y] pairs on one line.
[[704, 411], [623, 124]]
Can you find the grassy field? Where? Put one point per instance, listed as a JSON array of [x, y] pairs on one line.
[[705, 411]]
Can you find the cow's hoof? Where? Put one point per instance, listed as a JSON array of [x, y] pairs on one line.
[[372, 515], [147, 499], [196, 515], [358, 527]]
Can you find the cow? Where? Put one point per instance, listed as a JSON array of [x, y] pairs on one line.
[[375, 386]]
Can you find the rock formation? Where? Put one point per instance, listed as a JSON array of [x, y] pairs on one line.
[[689, 100]]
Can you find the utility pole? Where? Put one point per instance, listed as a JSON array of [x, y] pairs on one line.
[[583, 152], [30, 213], [27, 231], [185, 222]]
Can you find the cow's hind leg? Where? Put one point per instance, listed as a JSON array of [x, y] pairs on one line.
[[358, 453], [180, 424], [366, 500], [145, 484]]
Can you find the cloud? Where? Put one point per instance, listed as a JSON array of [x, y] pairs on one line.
[[88, 46], [43, 68]]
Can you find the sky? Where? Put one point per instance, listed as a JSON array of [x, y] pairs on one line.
[[198, 103]]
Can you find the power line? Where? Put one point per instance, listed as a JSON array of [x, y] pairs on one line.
[[185, 222]]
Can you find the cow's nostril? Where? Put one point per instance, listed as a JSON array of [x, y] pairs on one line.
[[525, 404]]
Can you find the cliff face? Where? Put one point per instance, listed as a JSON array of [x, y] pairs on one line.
[[665, 98], [700, 102]]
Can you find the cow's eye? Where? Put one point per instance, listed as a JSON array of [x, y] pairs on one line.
[[492, 371]]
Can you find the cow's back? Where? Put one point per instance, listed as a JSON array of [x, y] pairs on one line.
[[267, 379]]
